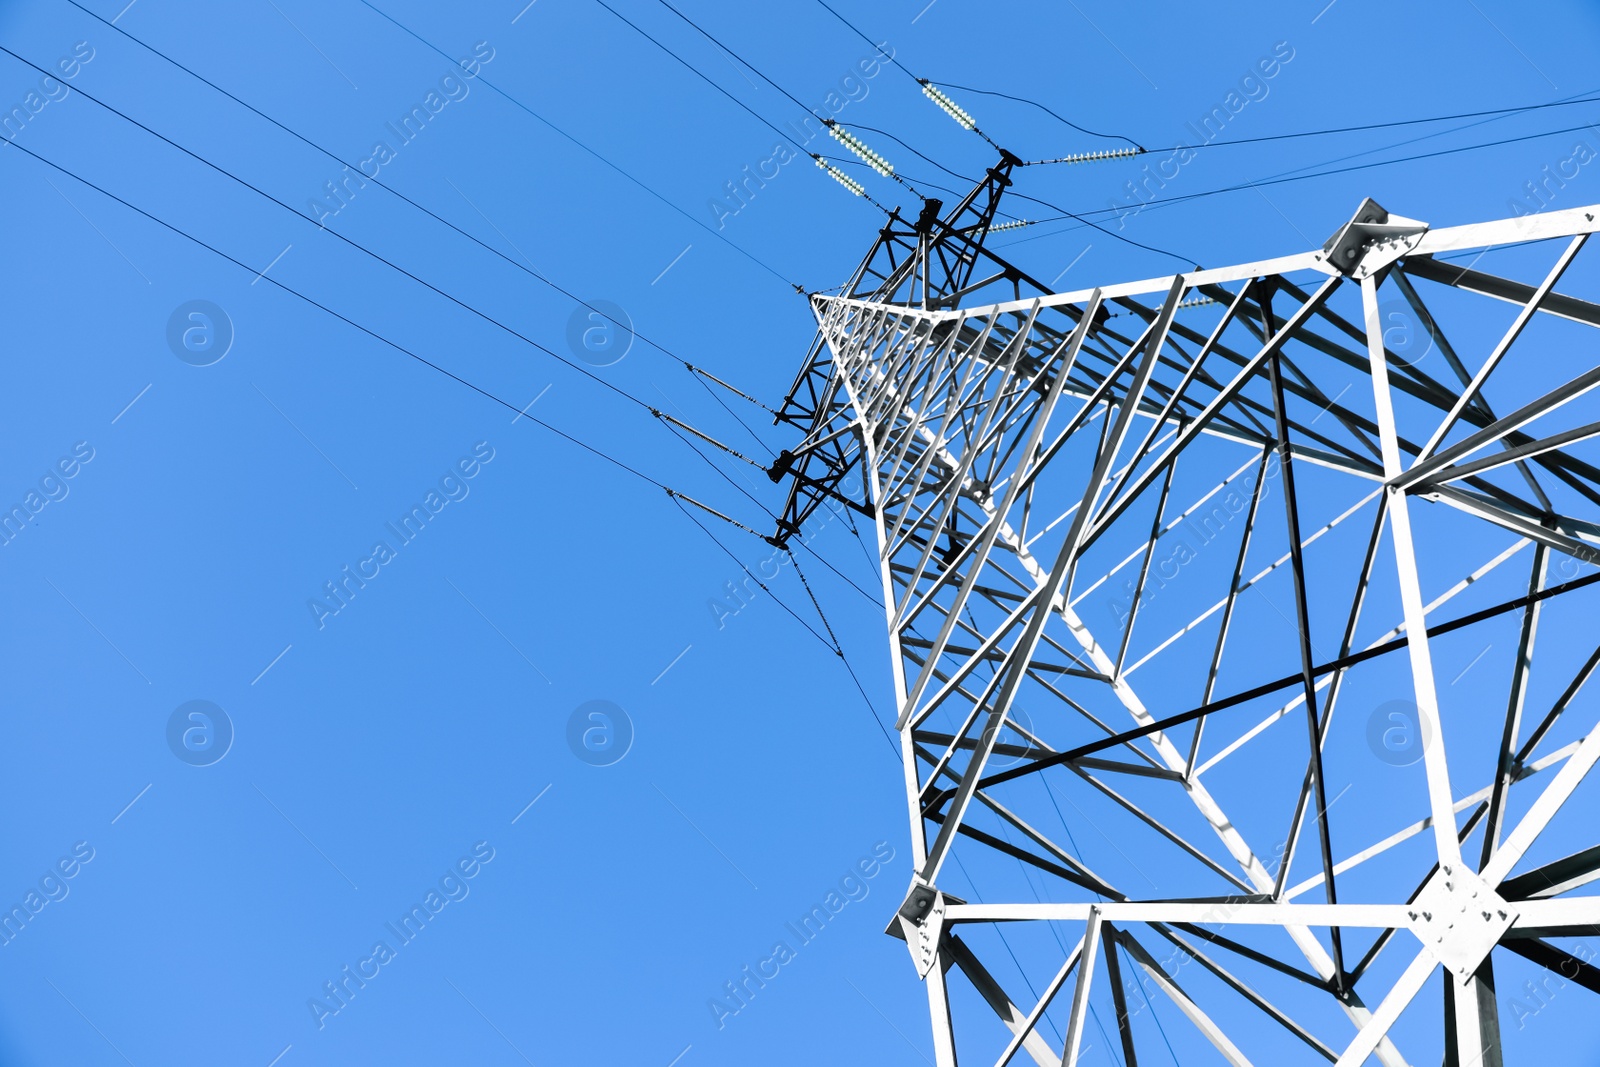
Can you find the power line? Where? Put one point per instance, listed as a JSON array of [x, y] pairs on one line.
[[834, 647], [698, 74], [526, 269], [913, 151], [725, 476], [428, 363], [1501, 111], [1047, 111], [746, 107], [832, 125], [839, 649], [1109, 233], [518, 103], [508, 405], [1576, 97], [852, 27], [1053, 207], [419, 280], [734, 54], [358, 246], [973, 126], [712, 394], [1295, 174], [930, 185], [1032, 991], [1281, 180], [924, 83]]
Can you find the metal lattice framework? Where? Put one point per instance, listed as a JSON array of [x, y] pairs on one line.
[[1152, 556]]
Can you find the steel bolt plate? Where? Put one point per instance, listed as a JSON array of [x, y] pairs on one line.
[[1459, 918]]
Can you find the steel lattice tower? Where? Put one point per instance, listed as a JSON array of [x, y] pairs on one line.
[[1373, 458]]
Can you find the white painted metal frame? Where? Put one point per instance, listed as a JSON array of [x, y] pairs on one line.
[[969, 422]]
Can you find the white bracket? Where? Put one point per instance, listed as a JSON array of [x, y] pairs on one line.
[[1459, 917], [921, 920], [1370, 241]]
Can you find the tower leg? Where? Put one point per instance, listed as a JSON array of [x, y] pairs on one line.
[[1472, 1020]]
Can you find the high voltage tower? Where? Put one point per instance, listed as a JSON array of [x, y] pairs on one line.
[[1188, 575]]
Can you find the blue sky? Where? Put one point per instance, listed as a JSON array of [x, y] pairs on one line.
[[380, 751]]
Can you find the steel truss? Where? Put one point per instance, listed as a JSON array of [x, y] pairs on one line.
[[1033, 459]]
